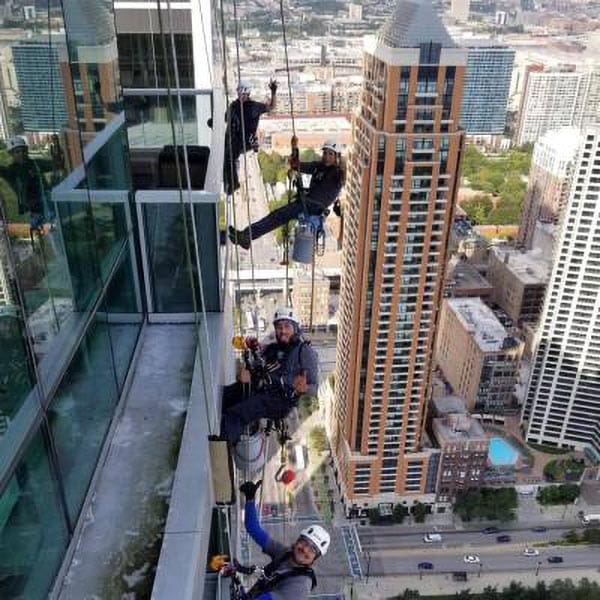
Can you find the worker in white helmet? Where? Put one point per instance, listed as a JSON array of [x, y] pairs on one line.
[[288, 368], [240, 135], [25, 178], [289, 575], [327, 180]]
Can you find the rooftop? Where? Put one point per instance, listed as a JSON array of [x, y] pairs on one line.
[[531, 267], [449, 405], [454, 428], [413, 23], [481, 323], [464, 276]]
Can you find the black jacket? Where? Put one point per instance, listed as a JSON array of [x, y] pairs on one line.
[[325, 183]]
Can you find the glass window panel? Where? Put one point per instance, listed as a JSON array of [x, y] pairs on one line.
[[124, 315], [33, 534], [81, 411], [167, 258], [208, 244], [141, 59], [111, 230], [76, 221], [149, 125], [16, 375]]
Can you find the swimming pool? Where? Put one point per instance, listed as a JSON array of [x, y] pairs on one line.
[[501, 453]]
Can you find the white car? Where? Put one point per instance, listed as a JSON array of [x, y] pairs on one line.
[[471, 559], [531, 552]]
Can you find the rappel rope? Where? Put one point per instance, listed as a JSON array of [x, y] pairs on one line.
[[286, 253], [188, 250], [245, 160]]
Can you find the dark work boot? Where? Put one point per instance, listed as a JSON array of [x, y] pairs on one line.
[[241, 238]]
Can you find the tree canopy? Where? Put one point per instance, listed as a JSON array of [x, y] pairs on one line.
[[487, 503], [500, 177]]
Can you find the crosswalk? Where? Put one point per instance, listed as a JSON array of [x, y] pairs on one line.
[[352, 547]]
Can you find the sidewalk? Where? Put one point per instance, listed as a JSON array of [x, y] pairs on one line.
[[383, 588]]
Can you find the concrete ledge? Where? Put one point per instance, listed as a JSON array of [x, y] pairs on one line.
[[182, 564]]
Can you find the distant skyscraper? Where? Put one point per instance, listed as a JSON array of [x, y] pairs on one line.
[[549, 177], [401, 188], [487, 84], [43, 106], [562, 407], [459, 9], [555, 98]]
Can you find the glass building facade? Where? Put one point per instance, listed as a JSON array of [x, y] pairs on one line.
[[486, 88], [93, 234]]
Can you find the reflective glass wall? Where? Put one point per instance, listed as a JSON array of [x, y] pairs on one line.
[[71, 306]]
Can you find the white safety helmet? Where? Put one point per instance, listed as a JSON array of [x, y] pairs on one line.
[[286, 313], [331, 145], [244, 87], [16, 142], [318, 537]]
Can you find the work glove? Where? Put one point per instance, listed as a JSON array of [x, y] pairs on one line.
[[249, 488], [273, 86]]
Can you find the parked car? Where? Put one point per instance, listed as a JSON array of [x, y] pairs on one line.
[[432, 537], [503, 539], [531, 552], [490, 530], [471, 559], [426, 566], [539, 529], [555, 559]]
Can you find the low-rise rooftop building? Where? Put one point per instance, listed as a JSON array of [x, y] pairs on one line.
[[478, 357], [519, 281]]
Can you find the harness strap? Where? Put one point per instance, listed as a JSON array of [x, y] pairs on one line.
[[271, 579]]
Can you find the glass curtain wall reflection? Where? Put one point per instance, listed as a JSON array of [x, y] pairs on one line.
[[70, 306]]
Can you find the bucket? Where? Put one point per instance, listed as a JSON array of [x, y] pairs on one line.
[[249, 452], [304, 244]]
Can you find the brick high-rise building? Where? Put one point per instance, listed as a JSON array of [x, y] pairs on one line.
[[401, 188]]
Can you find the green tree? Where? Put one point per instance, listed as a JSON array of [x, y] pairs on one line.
[[317, 438], [309, 155], [571, 536], [399, 513], [486, 503], [420, 511], [490, 593], [478, 209], [558, 494], [592, 536]]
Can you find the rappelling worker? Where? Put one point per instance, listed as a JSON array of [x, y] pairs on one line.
[[327, 180], [240, 136], [288, 369], [26, 179], [289, 575]]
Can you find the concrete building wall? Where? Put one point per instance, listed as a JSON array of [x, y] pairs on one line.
[[477, 356], [562, 406], [549, 179]]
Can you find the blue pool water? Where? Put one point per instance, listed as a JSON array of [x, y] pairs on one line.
[[502, 453]]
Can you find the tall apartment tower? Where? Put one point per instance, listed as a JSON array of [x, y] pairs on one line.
[[549, 178], [486, 88], [562, 407], [401, 189], [557, 97]]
